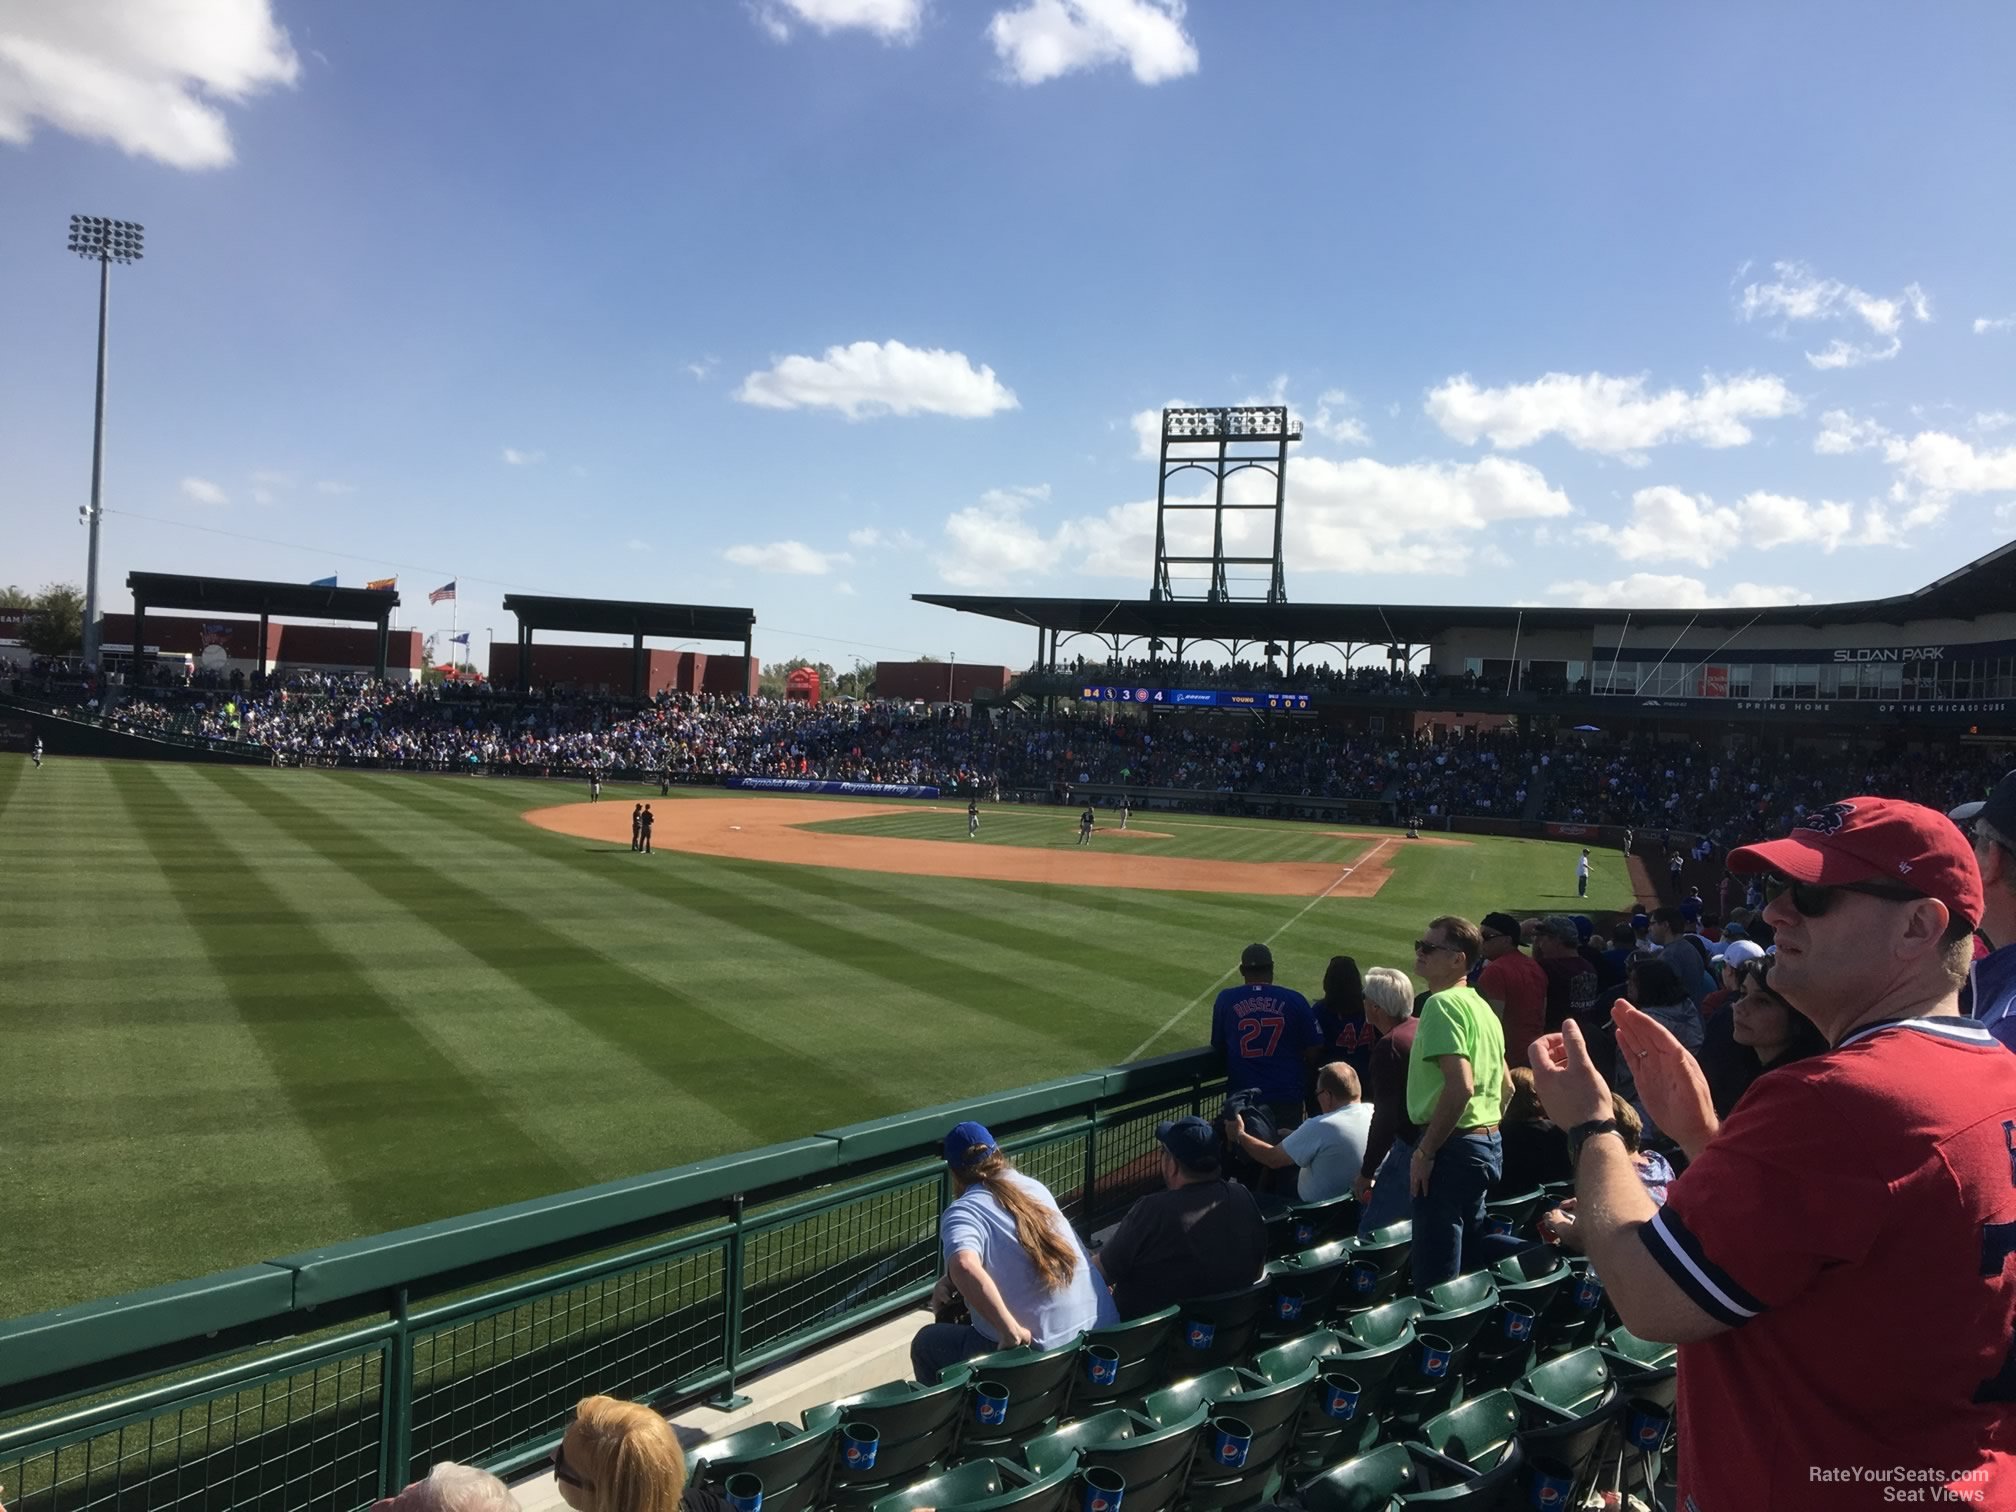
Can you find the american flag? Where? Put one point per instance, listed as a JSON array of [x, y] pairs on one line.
[[445, 591]]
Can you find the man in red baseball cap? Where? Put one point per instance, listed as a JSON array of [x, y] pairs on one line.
[[1838, 1262]]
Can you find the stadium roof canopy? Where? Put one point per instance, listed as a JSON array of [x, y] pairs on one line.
[[623, 617], [1983, 586], [175, 590]]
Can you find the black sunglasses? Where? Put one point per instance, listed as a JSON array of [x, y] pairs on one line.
[[1812, 900], [560, 1470], [1429, 947]]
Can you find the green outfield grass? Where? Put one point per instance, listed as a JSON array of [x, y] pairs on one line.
[[249, 1011], [1149, 834]]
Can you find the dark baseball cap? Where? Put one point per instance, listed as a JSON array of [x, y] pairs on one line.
[[1191, 1140], [1500, 923], [1998, 808], [968, 1144], [1256, 957]]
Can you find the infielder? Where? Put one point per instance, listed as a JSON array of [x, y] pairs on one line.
[[1085, 822], [37, 751], [1126, 809], [972, 818], [594, 787]]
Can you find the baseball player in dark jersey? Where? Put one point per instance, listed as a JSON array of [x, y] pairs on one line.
[[972, 818], [1085, 822]]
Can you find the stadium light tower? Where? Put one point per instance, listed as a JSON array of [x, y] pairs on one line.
[[104, 242]]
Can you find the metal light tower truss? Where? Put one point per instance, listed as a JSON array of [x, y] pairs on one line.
[[1221, 443]]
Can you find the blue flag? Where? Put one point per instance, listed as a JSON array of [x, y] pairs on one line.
[[460, 640], [328, 582]]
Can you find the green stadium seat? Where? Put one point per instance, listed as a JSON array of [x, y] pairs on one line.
[[1141, 1343], [1568, 1406], [1514, 1213], [1172, 1404], [1272, 1410], [1474, 1451], [1537, 1278], [1154, 1460], [1039, 1385], [987, 1485], [794, 1463], [1640, 1368], [1301, 1289], [1568, 1324], [1382, 1324], [919, 1426], [1372, 1482], [1311, 1224], [1215, 1330], [1417, 1396], [1288, 1357], [1379, 1264]]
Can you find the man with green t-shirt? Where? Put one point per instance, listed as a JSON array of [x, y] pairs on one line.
[[1456, 1084]]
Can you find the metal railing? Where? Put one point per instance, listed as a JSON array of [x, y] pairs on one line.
[[326, 1379]]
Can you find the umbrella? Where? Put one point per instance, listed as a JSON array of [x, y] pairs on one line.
[[1588, 730]]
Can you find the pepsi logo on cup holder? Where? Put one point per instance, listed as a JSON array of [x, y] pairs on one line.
[[1305, 1234], [1199, 1335], [744, 1492], [990, 1404], [1104, 1489], [859, 1444], [1287, 1308], [1435, 1355], [1231, 1442], [1340, 1396], [1102, 1365]]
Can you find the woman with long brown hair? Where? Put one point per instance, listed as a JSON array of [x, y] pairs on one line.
[[1011, 1256]]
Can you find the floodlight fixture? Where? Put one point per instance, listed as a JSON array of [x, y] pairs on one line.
[[103, 240]]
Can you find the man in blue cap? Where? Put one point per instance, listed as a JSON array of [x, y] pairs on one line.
[[1199, 1236], [1011, 1256]]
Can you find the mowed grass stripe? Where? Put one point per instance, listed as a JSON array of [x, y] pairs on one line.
[[11, 768], [121, 1057], [711, 1059], [354, 1069], [973, 993]]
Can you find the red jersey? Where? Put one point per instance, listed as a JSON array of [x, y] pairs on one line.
[[1519, 982], [1854, 1222]]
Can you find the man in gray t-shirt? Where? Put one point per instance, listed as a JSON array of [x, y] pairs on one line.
[[1201, 1236], [1330, 1149]]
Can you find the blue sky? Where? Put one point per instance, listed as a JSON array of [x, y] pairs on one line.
[[814, 304]]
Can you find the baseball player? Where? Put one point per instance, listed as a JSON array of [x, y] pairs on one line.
[[1264, 1032], [36, 752], [637, 827], [1085, 822], [1582, 874], [594, 787], [972, 818], [1126, 809], [644, 831]]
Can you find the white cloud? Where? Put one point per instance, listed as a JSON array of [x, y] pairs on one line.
[[873, 537], [203, 491], [1046, 39], [845, 590], [145, 75], [1990, 421], [1655, 590], [1333, 418], [332, 487], [793, 557], [2005, 514], [268, 478], [1983, 324], [1351, 516], [262, 495], [513, 457], [1797, 294], [704, 368], [880, 378], [637, 545], [1946, 464], [1669, 524], [1147, 427], [1613, 415], [1841, 433], [891, 20]]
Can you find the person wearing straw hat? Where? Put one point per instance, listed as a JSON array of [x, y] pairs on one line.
[[1838, 1261]]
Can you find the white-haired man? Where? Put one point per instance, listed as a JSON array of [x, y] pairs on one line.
[[452, 1488], [1858, 1206]]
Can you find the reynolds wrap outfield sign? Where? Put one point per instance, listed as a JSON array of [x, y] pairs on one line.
[[1194, 698], [839, 789]]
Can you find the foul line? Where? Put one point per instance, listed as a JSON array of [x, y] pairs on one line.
[[1184, 1011]]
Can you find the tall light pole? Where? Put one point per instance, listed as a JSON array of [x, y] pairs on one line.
[[105, 242]]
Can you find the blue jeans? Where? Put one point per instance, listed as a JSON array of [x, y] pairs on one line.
[[1452, 1211], [1389, 1202], [940, 1344]]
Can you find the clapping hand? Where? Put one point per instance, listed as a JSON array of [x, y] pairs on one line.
[[1669, 1079]]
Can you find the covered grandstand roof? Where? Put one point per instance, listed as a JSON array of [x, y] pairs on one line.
[[624, 617], [1983, 586], [175, 590]]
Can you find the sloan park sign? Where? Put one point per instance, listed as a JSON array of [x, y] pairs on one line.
[[1891, 654]]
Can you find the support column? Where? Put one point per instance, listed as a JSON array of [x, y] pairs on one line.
[[524, 657], [748, 669], [1039, 648], [139, 637], [384, 643], [637, 666], [265, 619]]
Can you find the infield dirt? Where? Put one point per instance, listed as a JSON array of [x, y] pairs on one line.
[[775, 829]]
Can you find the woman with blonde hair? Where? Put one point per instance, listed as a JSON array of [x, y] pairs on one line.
[[1012, 1258], [623, 1457]]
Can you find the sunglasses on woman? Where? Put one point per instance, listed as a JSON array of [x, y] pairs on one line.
[[1811, 899], [561, 1472]]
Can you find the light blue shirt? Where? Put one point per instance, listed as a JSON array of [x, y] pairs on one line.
[[975, 1221], [1330, 1150]]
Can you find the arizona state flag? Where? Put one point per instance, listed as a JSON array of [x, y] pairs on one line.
[[391, 582]]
